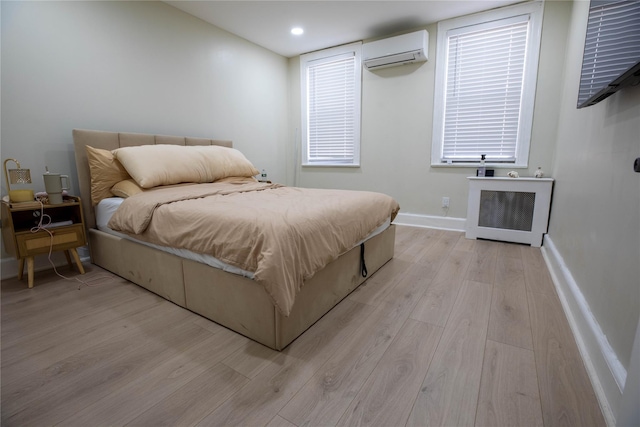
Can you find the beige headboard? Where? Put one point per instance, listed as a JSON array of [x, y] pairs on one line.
[[111, 141]]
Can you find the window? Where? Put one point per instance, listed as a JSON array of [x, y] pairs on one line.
[[331, 87], [611, 57], [486, 69]]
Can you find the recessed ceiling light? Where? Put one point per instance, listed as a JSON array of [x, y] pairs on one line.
[[297, 31]]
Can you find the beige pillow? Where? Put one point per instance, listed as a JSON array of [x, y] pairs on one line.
[[126, 188], [105, 172], [154, 165]]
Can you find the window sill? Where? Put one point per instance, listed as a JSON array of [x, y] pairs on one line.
[[477, 165], [324, 165]]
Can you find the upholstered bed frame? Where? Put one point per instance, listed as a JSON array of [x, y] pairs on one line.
[[228, 299]]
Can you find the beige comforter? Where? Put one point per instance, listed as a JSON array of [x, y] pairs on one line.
[[284, 235]]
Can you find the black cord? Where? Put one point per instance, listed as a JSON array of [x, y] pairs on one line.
[[363, 265]]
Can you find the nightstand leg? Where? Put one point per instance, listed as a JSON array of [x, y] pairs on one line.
[[30, 271], [74, 252], [66, 254], [20, 268]]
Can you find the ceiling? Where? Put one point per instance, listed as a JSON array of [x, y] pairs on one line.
[[326, 23]]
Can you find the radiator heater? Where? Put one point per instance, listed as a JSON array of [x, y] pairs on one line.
[[509, 209]]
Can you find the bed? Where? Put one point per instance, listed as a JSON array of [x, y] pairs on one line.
[[233, 299]]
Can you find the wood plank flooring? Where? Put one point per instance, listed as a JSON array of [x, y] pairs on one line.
[[451, 332]]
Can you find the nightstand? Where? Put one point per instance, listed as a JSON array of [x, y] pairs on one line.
[[67, 227]]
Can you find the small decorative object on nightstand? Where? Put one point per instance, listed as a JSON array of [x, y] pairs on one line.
[[24, 240], [18, 176]]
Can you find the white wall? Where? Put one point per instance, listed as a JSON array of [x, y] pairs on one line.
[[629, 413], [595, 219], [397, 110], [133, 67]]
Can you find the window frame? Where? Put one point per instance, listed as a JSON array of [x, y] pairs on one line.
[[535, 11], [351, 48]]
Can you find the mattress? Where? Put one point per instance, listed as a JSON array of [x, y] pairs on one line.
[[107, 207]]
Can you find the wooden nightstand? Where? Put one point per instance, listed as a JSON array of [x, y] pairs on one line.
[[19, 218]]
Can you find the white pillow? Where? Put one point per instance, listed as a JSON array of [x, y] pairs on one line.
[[154, 165]]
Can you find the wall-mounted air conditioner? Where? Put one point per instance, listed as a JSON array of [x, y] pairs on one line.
[[398, 50]]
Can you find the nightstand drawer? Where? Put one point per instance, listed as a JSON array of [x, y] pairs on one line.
[[30, 244]]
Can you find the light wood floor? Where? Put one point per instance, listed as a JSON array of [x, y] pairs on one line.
[[451, 332]]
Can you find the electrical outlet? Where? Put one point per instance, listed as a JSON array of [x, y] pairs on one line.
[[445, 202]]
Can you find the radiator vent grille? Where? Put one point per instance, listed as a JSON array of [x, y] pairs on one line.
[[509, 210]]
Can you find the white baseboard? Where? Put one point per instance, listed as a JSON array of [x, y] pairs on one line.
[[429, 221], [607, 374], [10, 265]]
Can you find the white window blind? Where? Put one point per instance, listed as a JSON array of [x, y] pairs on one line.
[[484, 92], [485, 86], [611, 46], [331, 106]]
